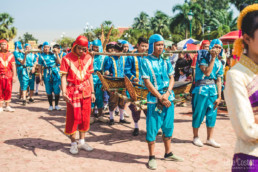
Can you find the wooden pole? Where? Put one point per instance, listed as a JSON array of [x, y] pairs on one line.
[[141, 54]]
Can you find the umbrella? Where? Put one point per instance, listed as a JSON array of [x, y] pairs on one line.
[[183, 44], [230, 37]]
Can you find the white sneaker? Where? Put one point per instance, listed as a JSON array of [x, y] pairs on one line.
[[197, 142], [57, 108], [74, 149], [1, 109], [126, 115], [85, 146], [212, 142], [9, 109], [50, 108]]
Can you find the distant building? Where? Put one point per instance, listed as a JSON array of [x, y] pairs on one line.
[[122, 29]]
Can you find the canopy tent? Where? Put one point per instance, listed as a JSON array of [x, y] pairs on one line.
[[191, 47], [230, 37], [183, 44]]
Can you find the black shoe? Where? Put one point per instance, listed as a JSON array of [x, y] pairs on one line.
[[36, 94], [124, 121], [111, 122], [159, 133], [136, 132], [31, 100], [24, 102]]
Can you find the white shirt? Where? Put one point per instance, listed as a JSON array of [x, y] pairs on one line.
[[242, 82], [182, 78]]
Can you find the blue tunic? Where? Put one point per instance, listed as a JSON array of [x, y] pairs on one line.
[[158, 71], [28, 78], [115, 65], [52, 78], [17, 55], [133, 68], [205, 95]]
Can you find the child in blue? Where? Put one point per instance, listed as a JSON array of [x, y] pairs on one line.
[[115, 66], [207, 91], [18, 53], [132, 71], [52, 80], [98, 67], [28, 62], [157, 73]]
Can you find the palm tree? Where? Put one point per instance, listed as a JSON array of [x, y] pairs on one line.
[[181, 18], [223, 23], [160, 24], [142, 22], [7, 32], [107, 23]]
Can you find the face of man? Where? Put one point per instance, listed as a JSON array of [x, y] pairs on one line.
[[125, 48], [80, 50], [3, 46], [95, 48], [173, 48], [218, 48], [111, 50], [46, 49], [143, 47], [158, 47], [27, 48], [206, 46]]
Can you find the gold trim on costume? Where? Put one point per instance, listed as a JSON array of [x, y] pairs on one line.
[[136, 67], [248, 63], [115, 68]]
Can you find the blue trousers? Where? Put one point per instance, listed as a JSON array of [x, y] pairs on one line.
[[27, 81], [155, 121], [203, 106]]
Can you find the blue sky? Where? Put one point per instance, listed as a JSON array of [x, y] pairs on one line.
[[48, 19]]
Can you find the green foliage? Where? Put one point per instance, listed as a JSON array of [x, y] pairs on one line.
[[65, 42], [27, 37], [114, 33], [6, 30], [238, 3]]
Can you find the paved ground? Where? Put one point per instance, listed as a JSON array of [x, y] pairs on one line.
[[32, 139]]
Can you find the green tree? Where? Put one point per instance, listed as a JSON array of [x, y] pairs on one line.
[[107, 23], [6, 30], [160, 24], [27, 37], [142, 22], [65, 42], [180, 20], [238, 3], [114, 33]]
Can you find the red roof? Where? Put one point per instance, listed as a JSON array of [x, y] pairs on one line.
[[122, 29]]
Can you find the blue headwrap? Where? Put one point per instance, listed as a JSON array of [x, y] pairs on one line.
[[98, 43], [44, 44], [89, 43], [214, 42], [154, 38], [124, 42], [26, 45], [18, 44]]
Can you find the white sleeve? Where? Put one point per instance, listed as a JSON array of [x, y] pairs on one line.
[[239, 107]]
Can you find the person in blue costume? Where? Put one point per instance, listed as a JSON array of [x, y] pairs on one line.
[[132, 71], [28, 62], [37, 79], [125, 46], [57, 48], [207, 91], [115, 67], [157, 73], [98, 65], [18, 52], [52, 80]]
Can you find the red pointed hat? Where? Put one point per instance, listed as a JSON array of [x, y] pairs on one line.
[[4, 41], [204, 42], [82, 41]]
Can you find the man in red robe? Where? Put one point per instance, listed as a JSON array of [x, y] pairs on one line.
[[78, 92], [7, 75]]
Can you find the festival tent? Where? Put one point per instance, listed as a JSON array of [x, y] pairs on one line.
[[183, 44], [168, 43], [230, 37]]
